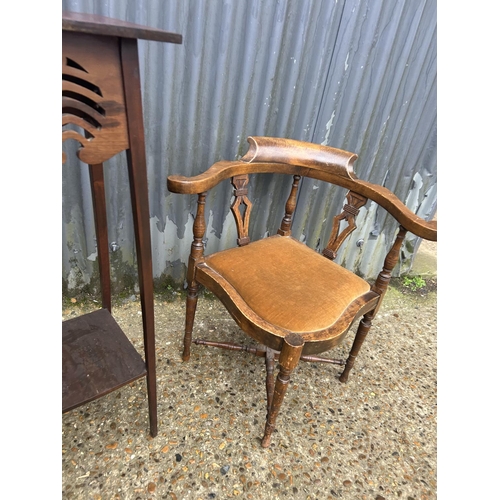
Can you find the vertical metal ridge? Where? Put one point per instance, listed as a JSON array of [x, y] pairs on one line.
[[337, 73]]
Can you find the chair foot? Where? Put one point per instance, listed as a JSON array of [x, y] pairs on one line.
[[345, 375], [288, 360], [186, 353], [266, 440]]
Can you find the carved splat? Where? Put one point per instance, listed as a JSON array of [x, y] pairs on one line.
[[241, 208], [93, 104], [350, 211]]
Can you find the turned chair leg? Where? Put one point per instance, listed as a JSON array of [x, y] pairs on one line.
[[363, 329], [380, 286], [191, 301], [288, 360], [269, 378], [194, 257]]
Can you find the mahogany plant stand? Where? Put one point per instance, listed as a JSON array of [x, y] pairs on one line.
[[101, 97]]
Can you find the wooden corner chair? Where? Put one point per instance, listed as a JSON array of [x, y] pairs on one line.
[[295, 302]]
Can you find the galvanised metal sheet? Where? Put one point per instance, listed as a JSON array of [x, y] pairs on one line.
[[379, 102], [358, 75]]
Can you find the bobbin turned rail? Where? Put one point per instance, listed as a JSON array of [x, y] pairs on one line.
[[262, 352]]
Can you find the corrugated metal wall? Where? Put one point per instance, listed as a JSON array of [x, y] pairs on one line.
[[358, 75]]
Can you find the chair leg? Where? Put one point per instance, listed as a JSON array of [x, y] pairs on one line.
[[363, 329], [191, 301], [288, 360], [380, 287], [269, 378]]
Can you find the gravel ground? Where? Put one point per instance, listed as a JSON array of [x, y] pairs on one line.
[[372, 438]]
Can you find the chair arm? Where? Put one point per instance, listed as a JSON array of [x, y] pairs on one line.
[[225, 170], [277, 155], [390, 202], [203, 182]]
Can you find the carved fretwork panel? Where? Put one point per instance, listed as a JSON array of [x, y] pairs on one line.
[[241, 208], [92, 96], [349, 213]]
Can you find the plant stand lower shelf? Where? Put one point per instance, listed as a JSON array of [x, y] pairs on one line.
[[97, 358]]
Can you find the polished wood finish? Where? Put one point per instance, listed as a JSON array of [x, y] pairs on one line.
[[97, 358], [137, 172], [286, 224], [291, 300], [241, 204], [92, 96], [102, 111], [380, 288], [100, 25], [339, 173], [196, 255], [264, 352], [349, 213], [270, 356], [98, 191], [288, 360]]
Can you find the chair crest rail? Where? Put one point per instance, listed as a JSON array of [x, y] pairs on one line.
[[382, 196], [299, 153]]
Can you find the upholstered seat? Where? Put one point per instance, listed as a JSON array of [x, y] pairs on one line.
[[288, 284]]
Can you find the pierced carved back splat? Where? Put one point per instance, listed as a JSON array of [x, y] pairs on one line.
[[241, 200], [350, 211], [93, 97]]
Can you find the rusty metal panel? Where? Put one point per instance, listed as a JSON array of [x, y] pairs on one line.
[[358, 75]]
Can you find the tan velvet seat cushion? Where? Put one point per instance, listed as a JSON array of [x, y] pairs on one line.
[[288, 284]]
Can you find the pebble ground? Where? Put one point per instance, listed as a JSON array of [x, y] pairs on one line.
[[372, 438]]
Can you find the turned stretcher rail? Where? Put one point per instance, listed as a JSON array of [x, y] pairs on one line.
[[262, 352]]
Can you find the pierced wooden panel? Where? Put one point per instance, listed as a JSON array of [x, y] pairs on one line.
[[92, 96], [351, 209], [241, 208]]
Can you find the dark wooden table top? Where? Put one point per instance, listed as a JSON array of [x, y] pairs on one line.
[[99, 25]]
